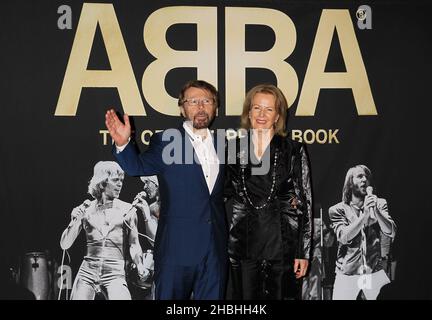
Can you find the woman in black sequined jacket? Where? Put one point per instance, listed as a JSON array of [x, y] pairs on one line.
[[270, 232]]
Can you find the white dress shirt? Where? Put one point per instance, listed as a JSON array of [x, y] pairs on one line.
[[206, 153]]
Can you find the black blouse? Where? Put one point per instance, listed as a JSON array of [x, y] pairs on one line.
[[269, 224]]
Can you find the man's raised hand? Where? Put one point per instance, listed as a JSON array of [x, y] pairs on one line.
[[119, 132]]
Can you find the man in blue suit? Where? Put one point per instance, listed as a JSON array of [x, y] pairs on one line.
[[190, 249]]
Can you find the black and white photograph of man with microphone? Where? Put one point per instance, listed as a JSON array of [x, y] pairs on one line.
[[111, 228], [148, 203], [360, 221]]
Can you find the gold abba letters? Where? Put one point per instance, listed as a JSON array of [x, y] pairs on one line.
[[204, 59]]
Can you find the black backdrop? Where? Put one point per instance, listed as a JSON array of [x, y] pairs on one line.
[[47, 160]]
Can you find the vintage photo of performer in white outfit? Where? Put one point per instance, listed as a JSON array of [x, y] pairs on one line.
[[363, 228], [111, 234]]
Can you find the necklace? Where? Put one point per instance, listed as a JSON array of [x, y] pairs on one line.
[[271, 189], [102, 208]]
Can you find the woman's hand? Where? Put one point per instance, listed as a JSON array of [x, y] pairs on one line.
[[300, 267]]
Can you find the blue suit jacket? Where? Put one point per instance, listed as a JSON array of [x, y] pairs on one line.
[[191, 218]]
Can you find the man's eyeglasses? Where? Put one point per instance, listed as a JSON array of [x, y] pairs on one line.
[[196, 102]]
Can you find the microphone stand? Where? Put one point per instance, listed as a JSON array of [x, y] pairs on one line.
[[322, 254]]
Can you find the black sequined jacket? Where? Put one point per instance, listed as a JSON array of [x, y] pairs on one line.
[[269, 224]]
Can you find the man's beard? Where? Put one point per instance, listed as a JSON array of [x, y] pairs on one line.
[[151, 194], [358, 192], [201, 123]]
